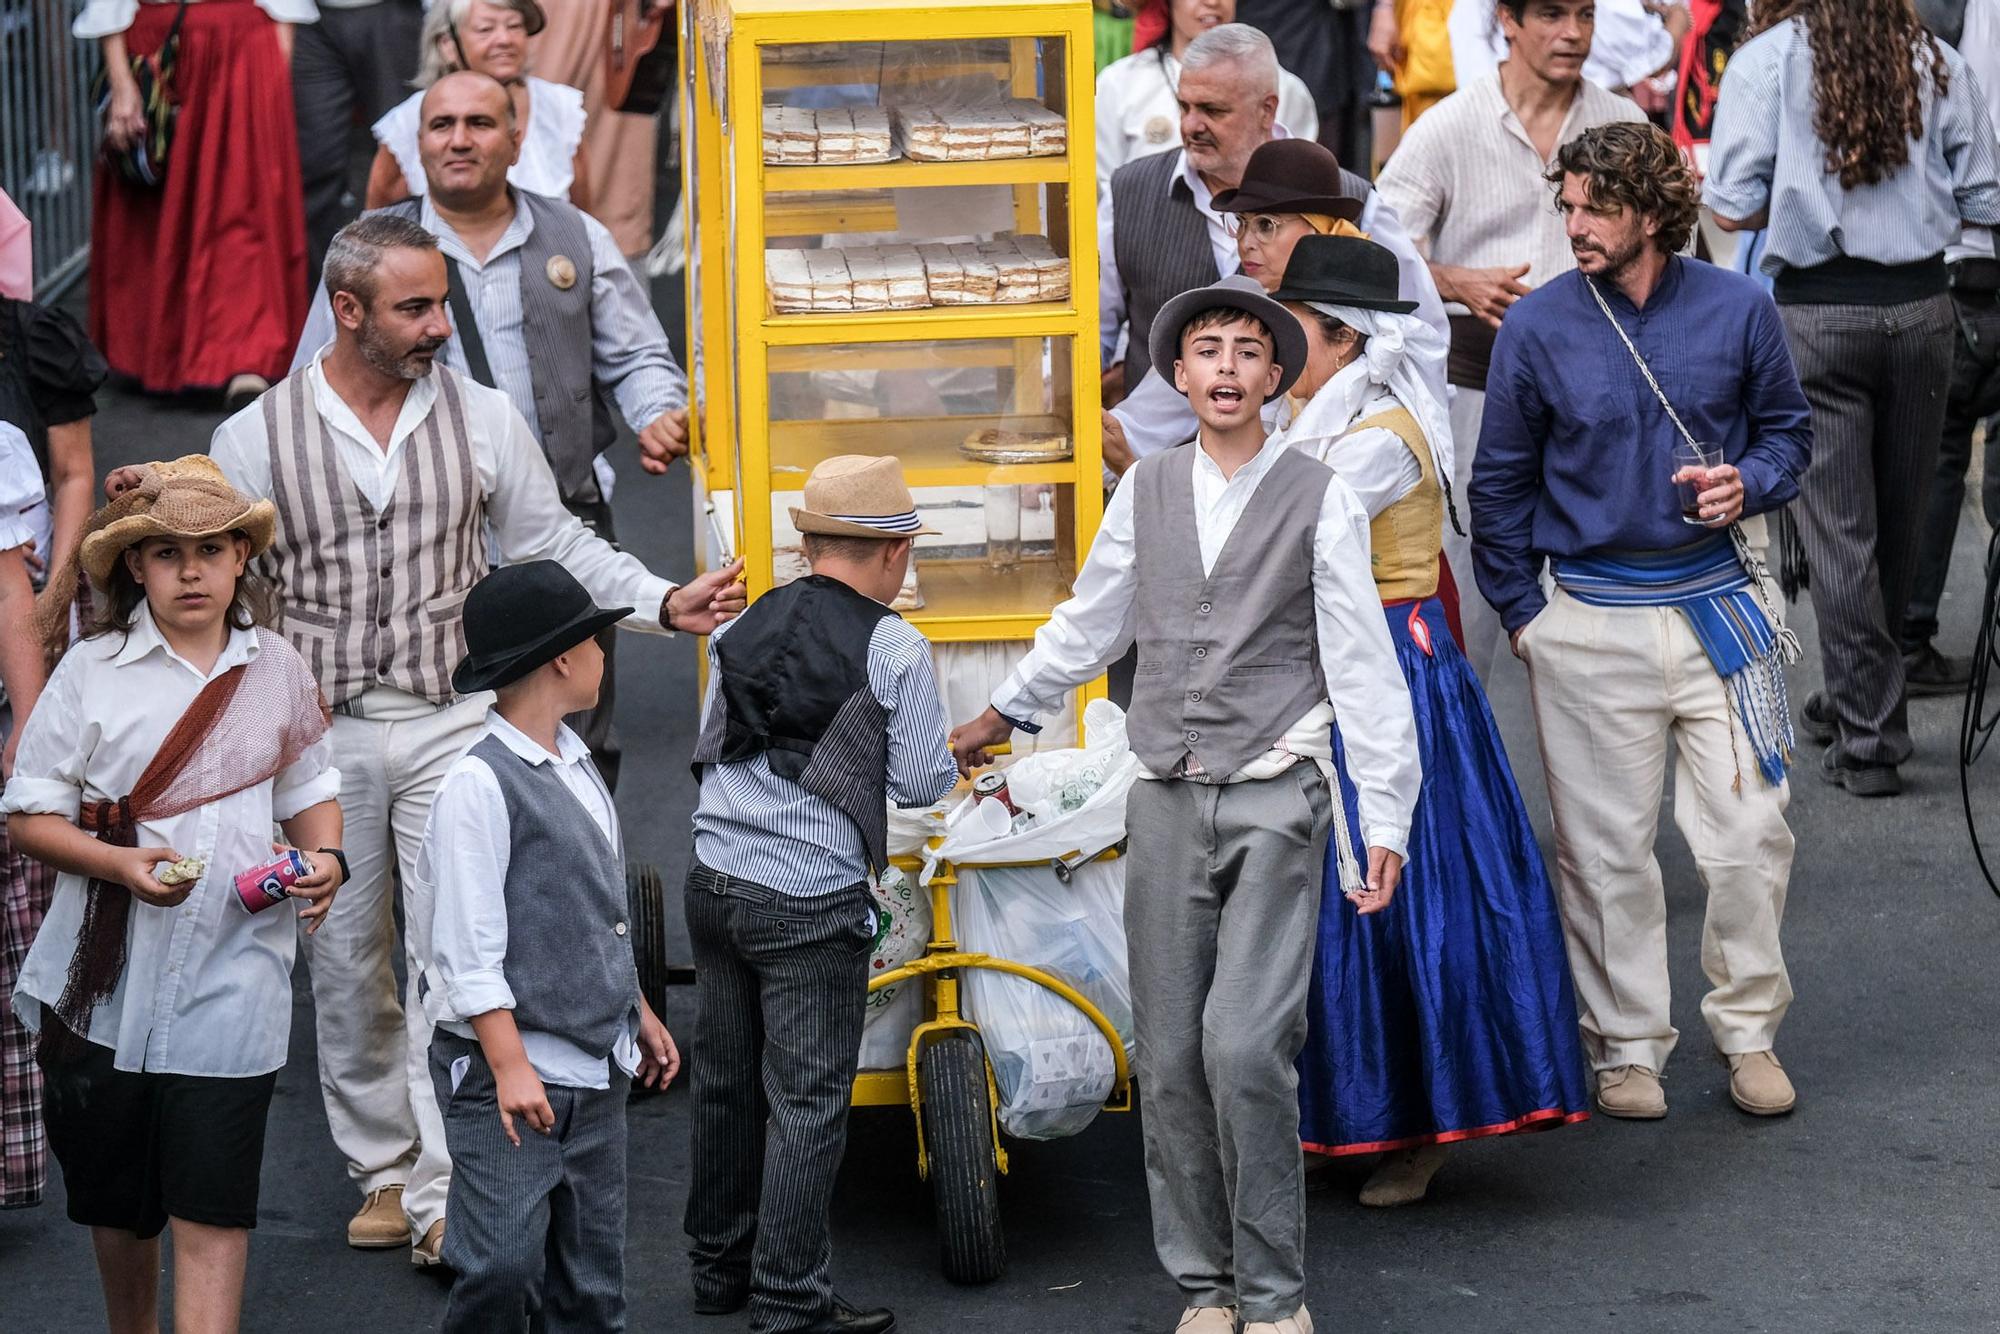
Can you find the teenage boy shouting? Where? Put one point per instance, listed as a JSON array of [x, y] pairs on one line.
[[1240, 567]]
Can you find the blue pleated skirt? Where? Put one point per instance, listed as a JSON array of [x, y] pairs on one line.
[[1448, 1015]]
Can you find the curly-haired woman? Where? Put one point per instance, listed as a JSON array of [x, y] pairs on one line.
[[1859, 139]]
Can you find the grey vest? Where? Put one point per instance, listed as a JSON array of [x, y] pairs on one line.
[[373, 598], [1160, 241], [1227, 661], [569, 950], [571, 418]]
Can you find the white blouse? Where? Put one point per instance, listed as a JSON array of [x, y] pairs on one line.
[[101, 18], [24, 502], [548, 149], [1137, 114], [207, 985]]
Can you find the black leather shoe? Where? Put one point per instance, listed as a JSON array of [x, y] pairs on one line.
[[728, 1304], [1816, 717], [849, 1320], [1863, 778], [1929, 672]]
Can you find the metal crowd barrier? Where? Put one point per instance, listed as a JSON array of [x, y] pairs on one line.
[[48, 134]]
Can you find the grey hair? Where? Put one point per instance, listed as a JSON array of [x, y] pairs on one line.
[[357, 250], [1239, 44], [438, 19]]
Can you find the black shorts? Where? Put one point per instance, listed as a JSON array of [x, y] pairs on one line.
[[136, 1148]]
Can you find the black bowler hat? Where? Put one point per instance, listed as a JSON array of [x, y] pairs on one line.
[[1291, 176], [521, 616], [1343, 271]]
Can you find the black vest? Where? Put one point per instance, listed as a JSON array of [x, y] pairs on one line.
[[794, 689]]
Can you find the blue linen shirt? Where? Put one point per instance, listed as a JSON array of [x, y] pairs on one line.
[[1764, 153], [1576, 454]]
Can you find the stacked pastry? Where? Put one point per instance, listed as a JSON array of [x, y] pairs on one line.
[[789, 136], [1006, 270], [959, 132], [794, 136]]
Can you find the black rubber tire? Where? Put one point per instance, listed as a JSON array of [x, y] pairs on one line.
[[965, 1178], [645, 903]]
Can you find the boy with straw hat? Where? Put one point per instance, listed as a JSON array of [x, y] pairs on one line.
[[823, 708]]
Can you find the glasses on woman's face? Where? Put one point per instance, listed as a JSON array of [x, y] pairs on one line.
[[1262, 226]]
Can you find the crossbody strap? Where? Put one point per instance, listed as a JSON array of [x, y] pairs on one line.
[[1753, 564]]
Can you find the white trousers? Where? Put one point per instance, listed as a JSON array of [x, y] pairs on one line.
[[1611, 688], [1484, 639], [374, 1064]]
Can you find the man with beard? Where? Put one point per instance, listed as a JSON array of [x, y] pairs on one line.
[[1662, 626], [390, 474], [544, 309]]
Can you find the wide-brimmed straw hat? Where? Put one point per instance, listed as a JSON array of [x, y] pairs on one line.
[[1235, 292], [520, 617], [1291, 176], [859, 495], [1344, 271], [188, 497]]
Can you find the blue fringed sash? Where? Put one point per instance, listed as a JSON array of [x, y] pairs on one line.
[[1707, 583]]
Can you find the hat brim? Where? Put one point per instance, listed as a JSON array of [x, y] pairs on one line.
[[102, 548], [474, 674], [1310, 296], [1284, 326], [825, 525], [1252, 199]]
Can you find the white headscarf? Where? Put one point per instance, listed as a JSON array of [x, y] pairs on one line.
[[1396, 345]]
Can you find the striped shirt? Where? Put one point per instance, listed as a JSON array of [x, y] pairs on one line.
[[756, 826], [1467, 182], [1764, 154]]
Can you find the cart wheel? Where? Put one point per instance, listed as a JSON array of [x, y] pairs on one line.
[[645, 904], [965, 1179]]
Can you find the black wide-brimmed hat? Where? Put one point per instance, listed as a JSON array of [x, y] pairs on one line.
[[1291, 176], [1235, 292], [1343, 271], [521, 616]]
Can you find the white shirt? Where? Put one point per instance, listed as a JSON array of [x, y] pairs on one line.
[[524, 512], [1375, 463], [464, 860], [1138, 112], [1979, 44], [1467, 181], [24, 502], [548, 146], [1364, 683], [1630, 44], [1156, 416], [207, 985], [101, 18]]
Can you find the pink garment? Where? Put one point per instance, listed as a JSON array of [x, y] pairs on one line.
[[17, 253]]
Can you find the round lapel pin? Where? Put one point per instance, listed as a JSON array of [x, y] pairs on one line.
[[562, 272]]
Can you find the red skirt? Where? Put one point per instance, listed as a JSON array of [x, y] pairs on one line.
[[205, 278]]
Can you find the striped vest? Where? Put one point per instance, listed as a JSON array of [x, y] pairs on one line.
[[1160, 242], [373, 599]]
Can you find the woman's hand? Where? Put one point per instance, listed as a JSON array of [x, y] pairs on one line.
[[125, 118]]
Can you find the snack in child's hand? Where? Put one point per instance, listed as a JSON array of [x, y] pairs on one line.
[[185, 871]]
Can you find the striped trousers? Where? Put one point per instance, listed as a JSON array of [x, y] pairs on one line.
[[782, 991], [1876, 377]]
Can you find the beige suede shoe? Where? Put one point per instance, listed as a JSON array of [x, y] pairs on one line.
[[1632, 1092], [380, 1224], [429, 1253], [1759, 1085], [1298, 1322], [1403, 1178], [1207, 1320]]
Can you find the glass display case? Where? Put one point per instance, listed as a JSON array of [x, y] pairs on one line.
[[889, 257]]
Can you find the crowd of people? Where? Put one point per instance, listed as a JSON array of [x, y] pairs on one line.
[[1558, 384]]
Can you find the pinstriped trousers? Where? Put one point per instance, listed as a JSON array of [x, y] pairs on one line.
[[1876, 377], [782, 991]]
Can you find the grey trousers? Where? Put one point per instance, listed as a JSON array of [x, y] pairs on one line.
[[1975, 395], [1876, 377], [781, 993], [354, 64], [1222, 895], [535, 1234]]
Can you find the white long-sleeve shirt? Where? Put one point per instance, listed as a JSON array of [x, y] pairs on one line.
[[523, 508], [101, 18], [1364, 683], [1375, 463], [466, 852], [207, 986]]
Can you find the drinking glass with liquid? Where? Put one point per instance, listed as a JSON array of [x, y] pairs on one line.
[[1692, 460]]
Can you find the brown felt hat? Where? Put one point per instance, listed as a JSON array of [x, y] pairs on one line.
[[188, 497], [859, 495], [1291, 176]]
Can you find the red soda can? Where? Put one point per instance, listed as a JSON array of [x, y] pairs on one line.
[[993, 786], [262, 886]]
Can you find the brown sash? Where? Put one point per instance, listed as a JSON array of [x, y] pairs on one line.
[[1471, 352]]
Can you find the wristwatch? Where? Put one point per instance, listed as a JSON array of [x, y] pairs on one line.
[[341, 857]]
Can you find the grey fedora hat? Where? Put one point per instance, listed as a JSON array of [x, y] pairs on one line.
[[1235, 292]]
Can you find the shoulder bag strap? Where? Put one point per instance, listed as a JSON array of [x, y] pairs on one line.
[[468, 328]]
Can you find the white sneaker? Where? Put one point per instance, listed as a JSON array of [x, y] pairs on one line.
[[1298, 1322], [1207, 1320]]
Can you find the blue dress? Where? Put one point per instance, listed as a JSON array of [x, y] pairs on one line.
[[1449, 1014]]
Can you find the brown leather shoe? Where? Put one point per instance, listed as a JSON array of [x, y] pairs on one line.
[[1759, 1085], [1403, 1178], [429, 1253], [380, 1224], [1632, 1092]]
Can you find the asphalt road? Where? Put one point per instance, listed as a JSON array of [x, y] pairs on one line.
[[1872, 1208]]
